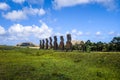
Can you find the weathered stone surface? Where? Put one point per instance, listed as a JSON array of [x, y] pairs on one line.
[[61, 45], [68, 43], [55, 43], [50, 43], [40, 44], [46, 43], [43, 43]]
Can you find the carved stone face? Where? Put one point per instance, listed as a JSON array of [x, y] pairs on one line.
[[40, 41], [55, 38], [61, 38], [68, 37], [46, 40], [43, 41]]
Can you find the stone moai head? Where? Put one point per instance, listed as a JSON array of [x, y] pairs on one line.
[[68, 37], [43, 41], [40, 41], [61, 38], [55, 38], [46, 40]]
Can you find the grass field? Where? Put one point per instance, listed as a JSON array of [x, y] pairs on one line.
[[33, 64]]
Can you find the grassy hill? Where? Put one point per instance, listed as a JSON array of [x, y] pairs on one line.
[[32, 64]]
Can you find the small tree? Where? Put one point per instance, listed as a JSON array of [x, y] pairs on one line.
[[88, 45]]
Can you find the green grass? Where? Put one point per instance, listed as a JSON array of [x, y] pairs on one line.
[[32, 64]]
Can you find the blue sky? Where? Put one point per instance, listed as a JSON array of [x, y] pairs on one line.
[[32, 20]]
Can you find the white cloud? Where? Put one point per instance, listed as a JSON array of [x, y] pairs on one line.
[[41, 11], [79, 33], [42, 32], [75, 34], [67, 32], [2, 30], [74, 31], [34, 11], [40, 2], [18, 31], [87, 33], [111, 33], [18, 1], [23, 14], [98, 33], [15, 15], [67, 3], [118, 34], [59, 34], [4, 6]]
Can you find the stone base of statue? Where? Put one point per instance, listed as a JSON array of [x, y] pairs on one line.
[[61, 46], [68, 46], [55, 43], [55, 46]]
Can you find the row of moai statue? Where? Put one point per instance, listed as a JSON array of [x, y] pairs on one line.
[[47, 44]]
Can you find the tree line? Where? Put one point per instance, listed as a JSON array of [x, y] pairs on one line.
[[113, 45]]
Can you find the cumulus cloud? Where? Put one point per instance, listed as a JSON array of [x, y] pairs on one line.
[[59, 34], [43, 32], [67, 3], [40, 2], [34, 11], [2, 30], [41, 11], [98, 33], [118, 34], [87, 33], [15, 15], [18, 31], [111, 32], [23, 14], [4, 6], [18, 1], [75, 34]]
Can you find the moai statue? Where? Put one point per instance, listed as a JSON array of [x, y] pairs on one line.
[[68, 43], [46, 43], [50, 42], [43, 44], [40, 44], [61, 45], [55, 43]]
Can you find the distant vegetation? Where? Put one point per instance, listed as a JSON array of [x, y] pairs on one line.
[[88, 46], [32, 64]]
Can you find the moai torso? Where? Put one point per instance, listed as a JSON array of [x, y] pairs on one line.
[[46, 43], [43, 42], [55, 43], [61, 45], [68, 43], [50, 42], [40, 44]]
